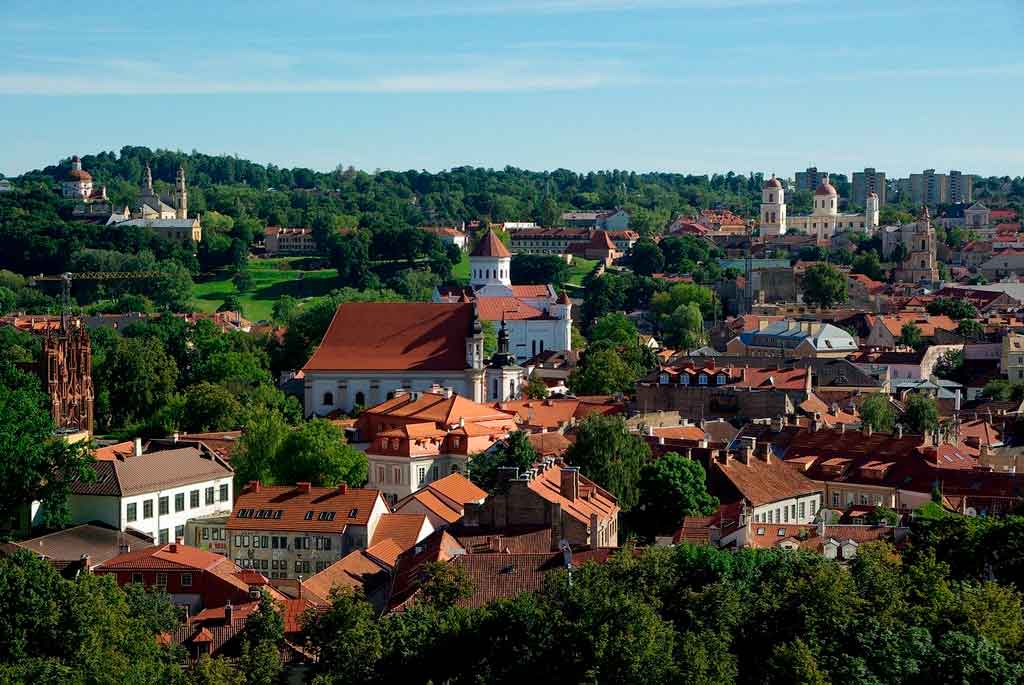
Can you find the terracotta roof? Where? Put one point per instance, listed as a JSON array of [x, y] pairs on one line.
[[111, 452], [79, 176], [100, 543], [402, 529], [680, 432], [433, 503], [772, 182], [530, 291], [171, 556], [491, 246], [552, 413], [221, 442], [395, 336], [153, 471], [825, 189], [762, 482], [438, 546], [508, 308], [928, 323], [501, 576], [601, 240], [549, 444], [434, 407], [592, 499], [356, 569], [458, 488], [289, 507], [386, 552]]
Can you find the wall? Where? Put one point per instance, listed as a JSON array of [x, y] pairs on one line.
[[84, 508], [170, 521], [376, 386]]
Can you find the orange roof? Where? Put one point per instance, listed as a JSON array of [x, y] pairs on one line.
[[530, 291], [386, 552], [552, 413], [458, 488], [435, 407], [303, 508], [434, 504], [680, 432], [416, 336], [549, 444], [508, 308], [354, 570], [112, 452], [591, 500], [928, 323], [762, 482], [403, 529], [491, 246]]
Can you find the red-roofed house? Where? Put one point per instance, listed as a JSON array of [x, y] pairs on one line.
[[443, 501]]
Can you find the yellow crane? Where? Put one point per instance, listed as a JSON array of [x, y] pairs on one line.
[[65, 280]]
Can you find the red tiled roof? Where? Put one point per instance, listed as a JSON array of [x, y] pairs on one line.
[[395, 336], [928, 323], [491, 246], [592, 499], [170, 556], [549, 444], [403, 529], [434, 504], [508, 308], [500, 576], [680, 432], [530, 291], [294, 502], [356, 569], [458, 488], [762, 482], [111, 452]]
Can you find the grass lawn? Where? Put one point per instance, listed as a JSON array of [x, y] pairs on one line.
[[460, 272], [271, 278], [580, 268]]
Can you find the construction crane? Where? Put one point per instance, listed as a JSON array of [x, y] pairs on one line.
[[65, 280]]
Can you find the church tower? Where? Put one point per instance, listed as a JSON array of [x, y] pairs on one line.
[[773, 208], [490, 264], [180, 195], [503, 376], [147, 182], [920, 264], [871, 213]]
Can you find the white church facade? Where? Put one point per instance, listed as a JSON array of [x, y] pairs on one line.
[[825, 219], [537, 318]]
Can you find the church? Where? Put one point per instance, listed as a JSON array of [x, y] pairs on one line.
[[823, 222], [537, 318], [919, 247], [166, 215]]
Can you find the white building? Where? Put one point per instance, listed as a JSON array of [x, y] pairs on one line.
[[155, 493], [824, 221], [537, 317]]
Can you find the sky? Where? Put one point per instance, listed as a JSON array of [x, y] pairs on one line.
[[692, 86]]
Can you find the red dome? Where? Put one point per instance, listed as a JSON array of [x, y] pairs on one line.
[[772, 183], [826, 188], [79, 175]]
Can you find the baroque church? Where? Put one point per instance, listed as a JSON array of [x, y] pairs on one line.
[[536, 317], [824, 221], [167, 215]]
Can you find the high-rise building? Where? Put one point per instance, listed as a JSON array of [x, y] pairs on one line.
[[933, 189], [961, 187], [810, 178], [867, 182]]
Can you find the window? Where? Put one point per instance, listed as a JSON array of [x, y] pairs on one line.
[[164, 506], [360, 399], [785, 514], [274, 545], [264, 541], [421, 474], [308, 516], [179, 502], [814, 504], [702, 379], [206, 533], [179, 532], [803, 509], [186, 580], [165, 535], [835, 499], [396, 472], [209, 496], [224, 492], [137, 578], [238, 541], [328, 399], [380, 475], [147, 509], [720, 379], [193, 499], [130, 511], [161, 580]]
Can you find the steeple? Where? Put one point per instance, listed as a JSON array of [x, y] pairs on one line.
[[180, 195], [503, 357], [503, 377], [147, 181]]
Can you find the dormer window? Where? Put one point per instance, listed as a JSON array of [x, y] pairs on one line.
[[702, 379], [720, 379], [686, 379], [663, 379]]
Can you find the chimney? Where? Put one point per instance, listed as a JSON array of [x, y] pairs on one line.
[[899, 431], [138, 447], [173, 547], [650, 431], [343, 488], [252, 486], [303, 487], [85, 561], [956, 400], [228, 613], [175, 437], [661, 441]]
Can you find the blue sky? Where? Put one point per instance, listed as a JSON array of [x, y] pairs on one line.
[[687, 85]]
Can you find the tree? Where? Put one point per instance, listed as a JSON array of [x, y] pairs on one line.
[[615, 329], [685, 328], [231, 303], [318, 453], [514, 451], [215, 671], [135, 379], [670, 488], [877, 412], [264, 632], [899, 253], [971, 329], [950, 366], [824, 286], [910, 336], [536, 389], [883, 514], [284, 309], [603, 372], [794, 662], [257, 452], [345, 637], [922, 414], [37, 465], [608, 454], [528, 269], [646, 258], [242, 280], [867, 263], [200, 408], [444, 584], [265, 624], [958, 310]]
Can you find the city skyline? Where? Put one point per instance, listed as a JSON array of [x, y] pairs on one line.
[[697, 86]]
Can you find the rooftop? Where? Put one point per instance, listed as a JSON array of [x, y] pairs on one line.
[[302, 507]]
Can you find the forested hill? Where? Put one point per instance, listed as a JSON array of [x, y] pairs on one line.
[[228, 185]]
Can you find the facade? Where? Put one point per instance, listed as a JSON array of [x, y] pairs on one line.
[[287, 531], [449, 235], [559, 241], [536, 317], [416, 439], [289, 241], [550, 495], [867, 182], [155, 493], [930, 188], [603, 219], [374, 349], [809, 179], [1011, 357], [919, 242], [825, 219], [789, 338]]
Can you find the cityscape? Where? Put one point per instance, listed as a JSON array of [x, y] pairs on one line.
[[416, 415]]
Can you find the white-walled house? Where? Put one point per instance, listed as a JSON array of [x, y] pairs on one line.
[[155, 493]]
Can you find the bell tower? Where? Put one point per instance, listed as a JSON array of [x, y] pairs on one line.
[[180, 195], [773, 208], [503, 377]]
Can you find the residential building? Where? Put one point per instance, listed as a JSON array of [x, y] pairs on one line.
[[417, 438], [886, 329], [449, 235], [1005, 264], [443, 501], [536, 316], [790, 338], [560, 241], [288, 531], [83, 547], [155, 493], [824, 221], [603, 219], [809, 179], [867, 182], [283, 240], [933, 189], [1011, 358], [556, 414], [193, 578], [554, 496], [709, 390], [903, 365], [373, 349]]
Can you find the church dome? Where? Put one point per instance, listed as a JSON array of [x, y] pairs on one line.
[[825, 188], [79, 175], [772, 183]]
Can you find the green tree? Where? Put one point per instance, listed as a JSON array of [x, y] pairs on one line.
[[685, 328], [444, 584], [318, 453], [794, 662], [261, 663], [955, 309], [614, 329], [878, 412], [950, 366], [646, 258], [514, 451], [867, 263], [971, 329], [215, 671], [604, 372], [529, 269], [137, 378], [536, 389], [345, 637], [824, 286], [921, 414], [671, 488], [242, 280], [231, 303], [258, 448], [611, 456], [266, 623], [910, 336], [200, 408], [284, 309]]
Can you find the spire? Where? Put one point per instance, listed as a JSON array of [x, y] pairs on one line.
[[147, 180], [503, 358]]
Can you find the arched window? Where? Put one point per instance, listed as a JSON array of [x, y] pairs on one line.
[[512, 389], [360, 399], [328, 399]]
